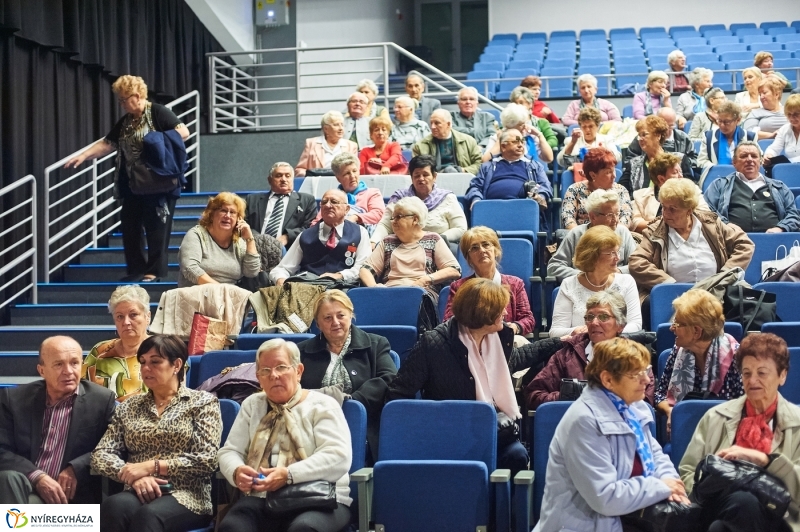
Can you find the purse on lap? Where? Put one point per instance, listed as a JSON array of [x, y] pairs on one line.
[[665, 516], [302, 497]]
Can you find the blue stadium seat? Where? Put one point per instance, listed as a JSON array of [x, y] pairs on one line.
[[661, 298], [523, 55], [766, 246], [562, 34], [544, 425], [596, 70], [690, 41], [628, 55], [685, 417], [627, 112], [787, 37], [494, 214], [516, 73], [697, 49], [715, 34], [592, 33], [652, 29], [764, 47], [780, 56], [791, 388], [682, 29], [658, 53], [727, 48], [490, 58], [493, 48], [781, 31], [622, 32], [508, 85], [734, 27], [229, 409], [531, 49], [371, 308], [723, 39], [746, 32], [796, 25], [401, 337], [756, 39], [622, 45], [776, 24], [707, 27], [251, 342], [788, 330], [744, 55], [588, 52], [788, 173], [533, 65], [788, 295], [533, 36], [699, 59], [718, 170], [505, 37], [212, 363], [492, 66]]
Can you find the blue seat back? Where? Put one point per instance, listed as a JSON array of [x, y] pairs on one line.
[[229, 409], [547, 418], [665, 338], [371, 307], [685, 417], [444, 295], [495, 214], [248, 342], [791, 388], [356, 416], [788, 295], [766, 248], [212, 363], [718, 170], [662, 363], [661, 298], [788, 173], [401, 337], [788, 330]]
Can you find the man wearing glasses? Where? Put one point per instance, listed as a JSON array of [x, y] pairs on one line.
[[335, 248], [479, 125]]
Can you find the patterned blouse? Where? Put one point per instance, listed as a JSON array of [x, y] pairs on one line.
[[573, 208], [187, 436], [120, 375], [731, 387]]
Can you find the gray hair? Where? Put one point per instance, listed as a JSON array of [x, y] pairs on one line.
[[369, 84], [699, 74], [712, 93], [612, 300], [129, 293], [343, 159], [330, 116], [444, 114], [413, 205], [506, 132], [513, 115], [675, 55], [356, 95], [290, 348], [278, 165], [744, 143], [415, 74], [521, 92], [599, 198], [473, 90], [654, 75], [408, 100], [588, 78]]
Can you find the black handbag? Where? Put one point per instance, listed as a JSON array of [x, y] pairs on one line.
[[571, 389], [666, 516], [752, 308], [302, 497], [717, 477]]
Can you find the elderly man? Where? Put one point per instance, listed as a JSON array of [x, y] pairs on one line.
[[415, 86], [677, 142], [677, 65], [603, 208], [453, 151], [49, 428], [479, 125], [281, 212], [750, 200], [335, 248], [507, 176], [356, 123]]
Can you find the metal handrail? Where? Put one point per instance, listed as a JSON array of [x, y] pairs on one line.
[[28, 241], [78, 216]]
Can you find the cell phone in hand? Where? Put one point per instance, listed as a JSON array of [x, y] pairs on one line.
[[167, 489]]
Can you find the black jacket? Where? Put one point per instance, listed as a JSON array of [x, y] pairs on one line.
[[301, 210], [369, 365]]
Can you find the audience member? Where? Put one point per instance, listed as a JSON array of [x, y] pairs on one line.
[[764, 61], [786, 148], [587, 88], [602, 207], [408, 129], [701, 363], [526, 98], [604, 461], [706, 120], [469, 120], [415, 87], [760, 428], [538, 108], [756, 203], [768, 119], [596, 258], [160, 443], [112, 363], [335, 248], [717, 145], [686, 245], [366, 204], [655, 96], [221, 247], [676, 141], [445, 215], [41, 460], [599, 169], [517, 117], [454, 151], [356, 122], [585, 138], [320, 151], [411, 256], [148, 199], [692, 102], [384, 156], [749, 99], [368, 88], [282, 436], [677, 66]]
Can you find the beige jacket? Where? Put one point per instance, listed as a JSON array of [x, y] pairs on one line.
[[221, 301], [728, 242], [717, 430]]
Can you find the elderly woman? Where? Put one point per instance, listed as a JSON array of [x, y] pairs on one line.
[[113, 363], [764, 61], [539, 108], [706, 120], [596, 257], [148, 200], [692, 102], [343, 355], [368, 88], [285, 435], [408, 129], [411, 256], [785, 148], [761, 427], [587, 87], [655, 96], [687, 245], [481, 247], [471, 357], [653, 132], [586, 137], [445, 215], [537, 144], [221, 248], [598, 168], [717, 145], [383, 157], [703, 351], [767, 120], [320, 151], [605, 318], [749, 99], [604, 461], [163, 442], [677, 65]]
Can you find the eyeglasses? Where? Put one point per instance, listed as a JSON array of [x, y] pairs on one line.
[[123, 100], [515, 140], [278, 371], [640, 375], [482, 245], [793, 115], [608, 216], [589, 318], [726, 122], [398, 217], [331, 202], [232, 214], [677, 325], [614, 254]]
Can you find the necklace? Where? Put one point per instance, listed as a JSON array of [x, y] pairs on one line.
[[601, 286]]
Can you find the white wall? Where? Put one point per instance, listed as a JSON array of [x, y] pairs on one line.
[[336, 22], [518, 16], [231, 22]]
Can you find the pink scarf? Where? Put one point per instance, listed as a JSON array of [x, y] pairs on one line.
[[490, 370]]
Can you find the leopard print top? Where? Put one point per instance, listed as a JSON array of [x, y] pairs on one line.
[[186, 435]]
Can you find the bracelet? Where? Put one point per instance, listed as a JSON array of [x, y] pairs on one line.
[[248, 240], [430, 277], [157, 468]]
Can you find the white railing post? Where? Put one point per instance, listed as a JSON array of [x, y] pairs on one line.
[[385, 76], [94, 203], [23, 248], [297, 85], [212, 79]]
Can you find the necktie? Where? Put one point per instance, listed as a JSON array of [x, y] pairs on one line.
[[331, 243], [274, 223]]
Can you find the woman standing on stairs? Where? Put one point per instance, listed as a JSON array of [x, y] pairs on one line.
[[148, 191]]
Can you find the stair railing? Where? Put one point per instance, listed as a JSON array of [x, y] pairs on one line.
[[23, 250]]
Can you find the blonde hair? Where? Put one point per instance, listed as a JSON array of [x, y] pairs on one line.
[[379, 121], [654, 75], [682, 190], [792, 104], [333, 296], [754, 70], [617, 356], [130, 85], [480, 233], [773, 84], [216, 203], [700, 308], [594, 240]]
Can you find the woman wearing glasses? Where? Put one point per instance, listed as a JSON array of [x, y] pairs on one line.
[[604, 461], [597, 257], [718, 144], [701, 364]]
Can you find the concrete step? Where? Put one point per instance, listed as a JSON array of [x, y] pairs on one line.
[[16, 363], [195, 198], [184, 223], [175, 239], [15, 338], [10, 382], [116, 255], [62, 314], [189, 210], [93, 292], [86, 273]]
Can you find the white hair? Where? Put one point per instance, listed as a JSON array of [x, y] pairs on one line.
[[699, 74], [473, 90], [587, 78], [413, 205], [274, 344], [600, 197], [330, 116], [369, 84], [408, 100], [129, 293], [513, 115], [674, 55]]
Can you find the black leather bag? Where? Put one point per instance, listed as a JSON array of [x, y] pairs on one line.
[[752, 308], [717, 477], [666, 516], [571, 389], [302, 497]]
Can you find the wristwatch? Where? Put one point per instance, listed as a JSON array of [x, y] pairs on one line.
[[289, 479]]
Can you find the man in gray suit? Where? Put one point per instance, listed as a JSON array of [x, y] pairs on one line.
[[415, 86], [479, 125], [49, 428]]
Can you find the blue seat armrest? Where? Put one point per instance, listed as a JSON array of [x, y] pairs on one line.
[[364, 479], [523, 499], [501, 478]]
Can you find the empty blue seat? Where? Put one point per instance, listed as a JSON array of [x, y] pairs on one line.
[[587, 33], [509, 84], [488, 58], [765, 47], [780, 56], [371, 308], [788, 173], [661, 298], [787, 37], [707, 27], [627, 111], [723, 39], [516, 73], [775, 24], [652, 29], [718, 170], [628, 55], [622, 32], [690, 41], [685, 417], [658, 41], [681, 29], [562, 34], [716, 33], [699, 59], [595, 70], [742, 32], [781, 31], [493, 48], [529, 65], [756, 39], [734, 27], [528, 56], [788, 330], [537, 36], [497, 66], [739, 50], [594, 52], [788, 295], [738, 64], [505, 37]]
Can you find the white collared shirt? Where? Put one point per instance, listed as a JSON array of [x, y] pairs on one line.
[[690, 260], [329, 153], [754, 184], [497, 279], [273, 199]]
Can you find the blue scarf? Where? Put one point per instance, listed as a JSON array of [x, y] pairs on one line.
[[642, 445], [700, 106], [723, 157], [351, 196]]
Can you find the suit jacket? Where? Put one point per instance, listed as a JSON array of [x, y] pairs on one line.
[[427, 106], [313, 154], [300, 211], [21, 417]]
